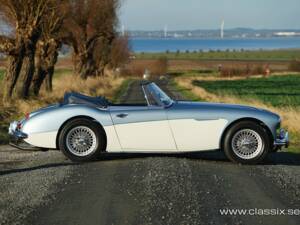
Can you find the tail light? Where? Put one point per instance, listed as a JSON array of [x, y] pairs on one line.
[[19, 126]]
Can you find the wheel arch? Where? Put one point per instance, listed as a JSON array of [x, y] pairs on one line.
[[248, 119], [80, 117]]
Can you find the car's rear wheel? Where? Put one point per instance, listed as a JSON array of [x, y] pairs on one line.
[[82, 140], [246, 142]]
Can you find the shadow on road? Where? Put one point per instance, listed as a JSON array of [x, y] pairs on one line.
[[279, 158], [29, 169]]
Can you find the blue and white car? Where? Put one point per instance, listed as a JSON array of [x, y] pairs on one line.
[[84, 127]]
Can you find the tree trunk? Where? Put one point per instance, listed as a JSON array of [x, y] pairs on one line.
[[26, 76], [102, 66], [49, 85], [88, 68], [100, 71], [39, 78], [76, 63], [12, 74], [84, 62], [52, 60], [40, 73], [45, 67]]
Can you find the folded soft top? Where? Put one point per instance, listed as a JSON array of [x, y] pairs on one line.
[[76, 98]]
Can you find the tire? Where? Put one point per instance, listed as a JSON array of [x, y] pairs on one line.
[[82, 140], [246, 143]]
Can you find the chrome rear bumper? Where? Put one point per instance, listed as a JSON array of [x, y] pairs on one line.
[[282, 139], [17, 138], [13, 131]]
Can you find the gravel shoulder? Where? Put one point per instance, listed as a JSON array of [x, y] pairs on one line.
[[45, 188], [27, 181]]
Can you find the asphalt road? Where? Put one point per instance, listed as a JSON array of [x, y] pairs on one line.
[[45, 188]]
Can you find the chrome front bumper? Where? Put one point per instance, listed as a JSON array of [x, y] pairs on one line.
[[282, 139]]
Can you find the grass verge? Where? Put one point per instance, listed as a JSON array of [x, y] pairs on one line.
[[185, 92], [122, 90]]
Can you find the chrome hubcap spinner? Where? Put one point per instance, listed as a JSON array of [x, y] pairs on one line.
[[81, 141]]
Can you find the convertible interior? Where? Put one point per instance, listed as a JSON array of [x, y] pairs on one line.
[[143, 95], [101, 101]]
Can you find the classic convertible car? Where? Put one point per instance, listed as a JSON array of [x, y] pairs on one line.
[[83, 127]]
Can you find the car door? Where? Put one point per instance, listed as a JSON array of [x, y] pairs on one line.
[[194, 129], [143, 128]]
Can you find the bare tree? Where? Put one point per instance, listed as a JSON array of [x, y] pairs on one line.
[[48, 46], [120, 52], [36, 33], [25, 17], [91, 26], [13, 46]]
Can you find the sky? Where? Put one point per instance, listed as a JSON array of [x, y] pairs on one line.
[[208, 14]]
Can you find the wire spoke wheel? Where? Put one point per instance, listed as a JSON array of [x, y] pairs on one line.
[[81, 141], [247, 144]]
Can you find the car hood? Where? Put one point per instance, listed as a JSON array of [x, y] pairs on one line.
[[220, 106]]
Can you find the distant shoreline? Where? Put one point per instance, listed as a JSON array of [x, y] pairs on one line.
[[214, 38], [160, 45], [281, 55]]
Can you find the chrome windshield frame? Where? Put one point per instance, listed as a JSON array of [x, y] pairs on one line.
[[149, 92], [145, 95]]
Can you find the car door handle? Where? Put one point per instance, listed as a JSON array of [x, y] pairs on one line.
[[122, 115]]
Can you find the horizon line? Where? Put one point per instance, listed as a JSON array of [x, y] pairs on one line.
[[212, 29]]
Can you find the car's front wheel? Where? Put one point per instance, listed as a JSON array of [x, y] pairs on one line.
[[246, 142], [82, 140]]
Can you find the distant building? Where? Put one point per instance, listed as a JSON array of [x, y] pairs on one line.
[[166, 31], [286, 34], [123, 30], [222, 29], [176, 35]]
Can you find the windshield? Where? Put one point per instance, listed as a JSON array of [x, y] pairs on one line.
[[157, 93]]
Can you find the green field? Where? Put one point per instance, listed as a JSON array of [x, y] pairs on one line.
[[62, 71], [275, 90], [274, 55]]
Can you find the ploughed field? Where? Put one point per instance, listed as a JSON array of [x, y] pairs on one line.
[[279, 91]]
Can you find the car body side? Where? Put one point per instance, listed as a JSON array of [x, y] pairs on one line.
[[43, 126], [192, 126]]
